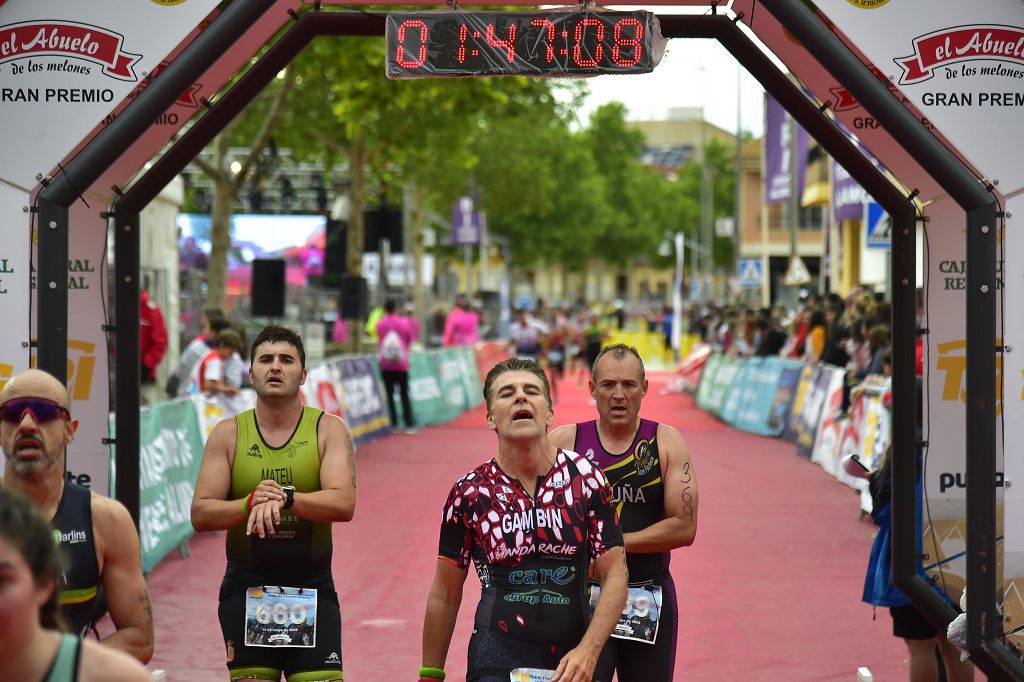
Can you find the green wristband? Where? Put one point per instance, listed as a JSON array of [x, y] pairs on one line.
[[432, 673]]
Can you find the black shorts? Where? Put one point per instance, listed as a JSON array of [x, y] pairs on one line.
[[321, 662], [493, 655], [908, 623], [640, 661]]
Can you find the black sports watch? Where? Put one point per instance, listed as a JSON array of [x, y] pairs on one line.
[[289, 496]]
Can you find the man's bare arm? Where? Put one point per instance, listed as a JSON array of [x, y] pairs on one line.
[[679, 527], [578, 665], [336, 499], [563, 437], [120, 561], [211, 510], [443, 604]]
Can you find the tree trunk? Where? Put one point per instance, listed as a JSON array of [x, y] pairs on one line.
[[220, 240], [357, 201], [418, 291]]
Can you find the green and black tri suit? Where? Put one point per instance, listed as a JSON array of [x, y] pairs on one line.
[[297, 554]]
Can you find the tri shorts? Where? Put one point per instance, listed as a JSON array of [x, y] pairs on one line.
[[319, 663], [493, 655], [640, 661], [908, 623]]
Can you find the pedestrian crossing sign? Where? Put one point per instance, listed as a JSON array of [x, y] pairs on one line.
[[797, 273], [751, 273], [879, 227]]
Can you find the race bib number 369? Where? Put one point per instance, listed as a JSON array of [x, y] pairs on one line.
[[639, 619], [280, 616]]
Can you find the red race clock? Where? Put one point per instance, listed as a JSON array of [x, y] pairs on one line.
[[449, 43]]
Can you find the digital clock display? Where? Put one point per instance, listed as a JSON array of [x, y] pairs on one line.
[[564, 43]]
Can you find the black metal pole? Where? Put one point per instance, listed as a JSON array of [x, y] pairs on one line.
[[52, 288], [127, 360]]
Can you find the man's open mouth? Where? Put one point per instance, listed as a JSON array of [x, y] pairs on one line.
[[521, 414]]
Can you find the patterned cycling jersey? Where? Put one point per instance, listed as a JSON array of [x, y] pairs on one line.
[[531, 553]]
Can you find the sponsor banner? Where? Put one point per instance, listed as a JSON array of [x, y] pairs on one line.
[[213, 409], [812, 397], [488, 354], [831, 421], [692, 367], [428, 403], [66, 65], [799, 401], [363, 403], [749, 405], [452, 386], [848, 196], [171, 450], [707, 380], [961, 65], [468, 374], [323, 389], [777, 152], [824, 87], [15, 250], [1013, 364], [728, 373], [785, 390]]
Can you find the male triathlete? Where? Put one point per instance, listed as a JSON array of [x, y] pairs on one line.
[[648, 467], [96, 534], [275, 478], [532, 520]]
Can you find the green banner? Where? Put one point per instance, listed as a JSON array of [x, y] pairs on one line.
[[470, 377], [453, 388], [428, 403], [707, 381], [171, 450]]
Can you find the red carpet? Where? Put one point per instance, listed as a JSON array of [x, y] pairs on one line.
[[770, 590]]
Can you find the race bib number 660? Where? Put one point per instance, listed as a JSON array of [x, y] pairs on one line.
[[280, 616]]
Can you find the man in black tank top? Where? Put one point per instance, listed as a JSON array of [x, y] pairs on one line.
[[649, 468], [96, 534]]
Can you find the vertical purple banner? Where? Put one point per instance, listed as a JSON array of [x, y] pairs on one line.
[[848, 196], [465, 223], [776, 152], [803, 144]]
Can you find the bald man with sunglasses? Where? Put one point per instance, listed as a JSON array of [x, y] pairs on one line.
[[98, 537]]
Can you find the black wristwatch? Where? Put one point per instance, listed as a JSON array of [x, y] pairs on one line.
[[289, 496]]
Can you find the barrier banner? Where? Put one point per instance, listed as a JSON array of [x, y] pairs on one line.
[[707, 380], [867, 435], [789, 377], [796, 410], [728, 371], [752, 398], [322, 389], [487, 356], [171, 450], [818, 390], [450, 374], [470, 379], [690, 370], [363, 402], [831, 421], [428, 403]]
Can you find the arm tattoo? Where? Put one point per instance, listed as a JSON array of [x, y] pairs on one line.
[[147, 608], [687, 495], [352, 459]]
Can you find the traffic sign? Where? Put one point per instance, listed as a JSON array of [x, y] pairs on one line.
[[797, 273], [465, 223], [751, 273], [879, 227]]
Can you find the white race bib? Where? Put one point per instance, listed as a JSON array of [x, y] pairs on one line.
[[280, 616], [639, 619], [531, 675]]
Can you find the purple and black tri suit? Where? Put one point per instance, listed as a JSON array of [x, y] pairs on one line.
[[531, 555], [639, 499]]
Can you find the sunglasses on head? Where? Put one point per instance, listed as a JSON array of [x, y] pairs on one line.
[[43, 409]]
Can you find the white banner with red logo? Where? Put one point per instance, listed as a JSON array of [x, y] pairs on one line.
[[65, 65], [15, 249], [1013, 373], [961, 64]]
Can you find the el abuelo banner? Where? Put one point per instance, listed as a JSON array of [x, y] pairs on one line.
[[65, 65], [961, 65], [15, 250]]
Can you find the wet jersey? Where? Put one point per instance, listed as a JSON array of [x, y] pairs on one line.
[[531, 553], [298, 549], [79, 584], [638, 491]]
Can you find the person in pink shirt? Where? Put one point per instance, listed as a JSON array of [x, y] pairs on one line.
[[395, 333], [463, 325]]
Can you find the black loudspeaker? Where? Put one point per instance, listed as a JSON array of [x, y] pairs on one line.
[[353, 298], [268, 287], [335, 253], [383, 223]]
